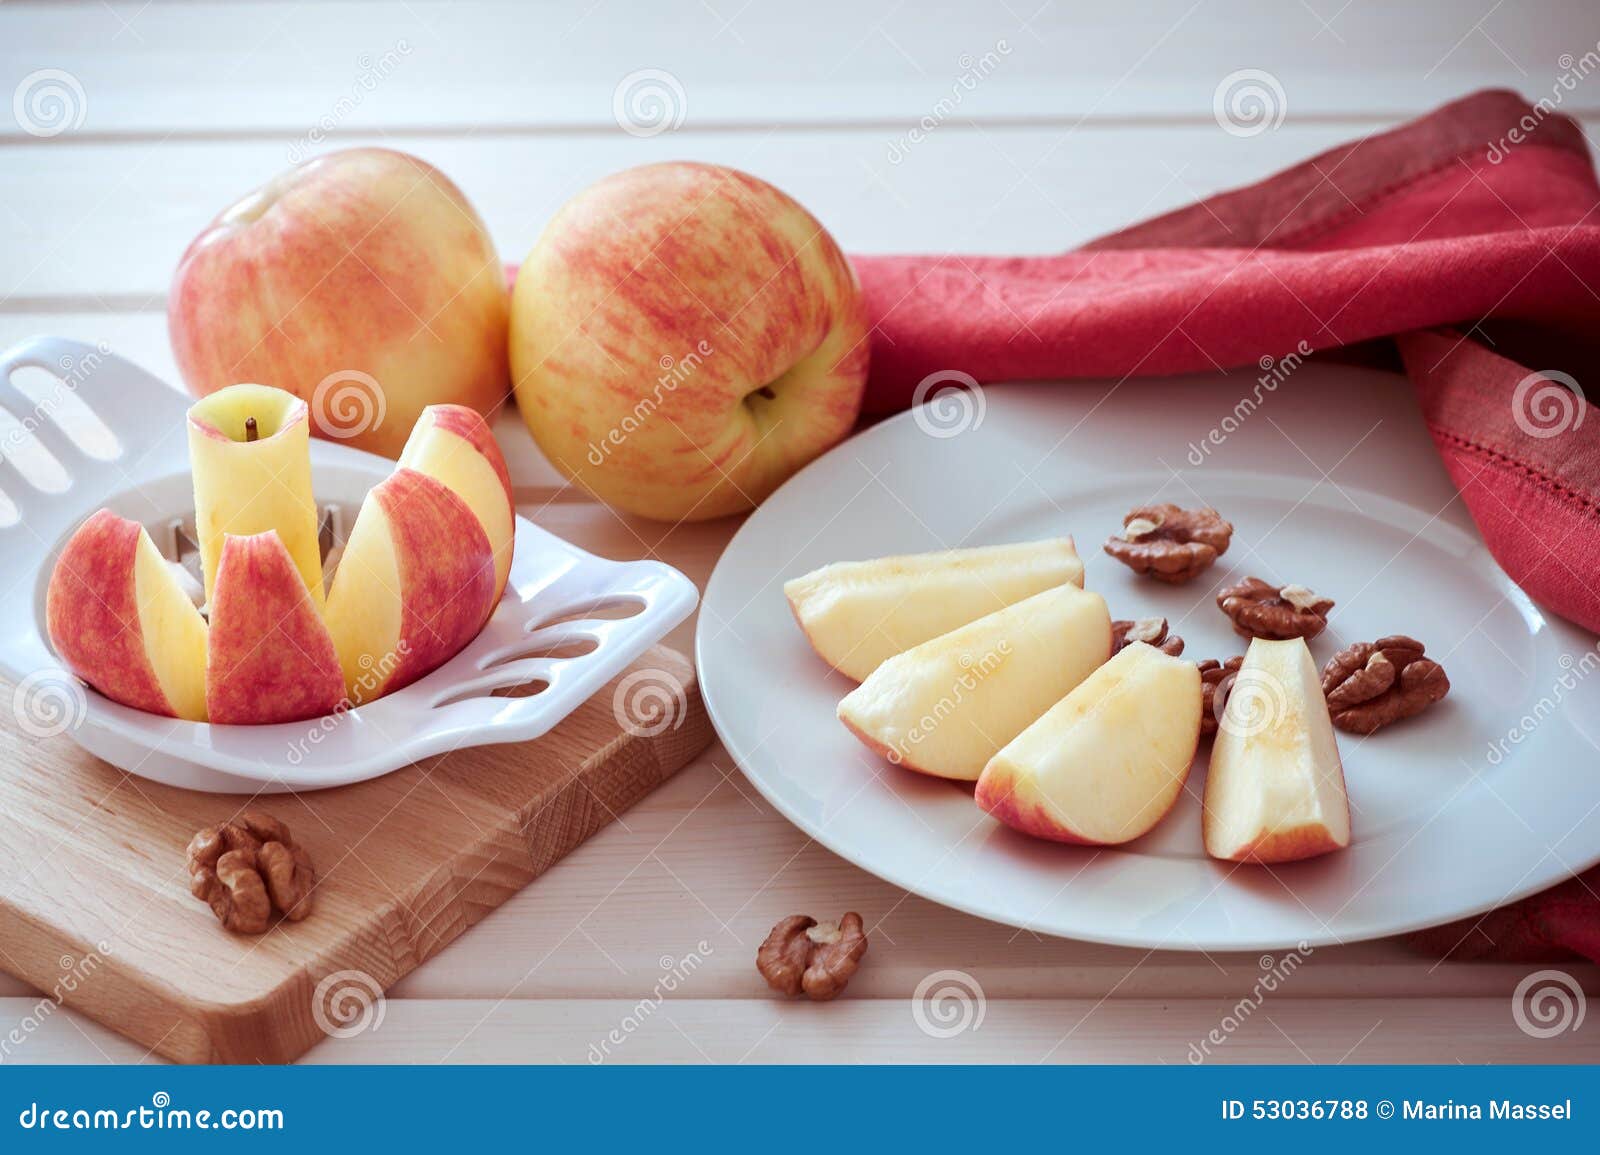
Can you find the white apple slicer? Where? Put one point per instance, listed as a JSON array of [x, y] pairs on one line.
[[569, 622]]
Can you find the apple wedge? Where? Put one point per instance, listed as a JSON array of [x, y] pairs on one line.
[[1108, 761], [1275, 791], [120, 620], [271, 659], [453, 444], [856, 614], [415, 583], [946, 706]]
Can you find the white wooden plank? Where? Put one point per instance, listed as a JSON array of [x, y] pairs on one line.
[[675, 1029], [102, 226], [351, 67]]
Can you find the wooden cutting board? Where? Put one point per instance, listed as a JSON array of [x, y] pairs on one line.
[[95, 908]]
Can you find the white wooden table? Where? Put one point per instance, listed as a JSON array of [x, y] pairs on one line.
[[1077, 119]]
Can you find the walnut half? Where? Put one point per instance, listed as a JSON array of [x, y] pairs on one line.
[[1259, 609], [1151, 631], [1216, 679], [1168, 543], [803, 956], [245, 868], [1371, 684]]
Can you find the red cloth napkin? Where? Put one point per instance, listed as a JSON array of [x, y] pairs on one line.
[[1471, 237]]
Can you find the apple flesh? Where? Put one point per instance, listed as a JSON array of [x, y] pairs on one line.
[[250, 458], [118, 617], [1108, 761], [414, 585], [365, 264], [453, 445], [947, 706], [857, 614], [270, 659], [683, 338], [1275, 791]]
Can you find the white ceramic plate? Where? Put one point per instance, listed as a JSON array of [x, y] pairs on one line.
[[1331, 481]]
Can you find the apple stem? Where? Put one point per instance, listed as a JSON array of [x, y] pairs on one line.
[[250, 433]]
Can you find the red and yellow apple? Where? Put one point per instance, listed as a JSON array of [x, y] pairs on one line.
[[683, 338], [250, 459], [422, 571], [453, 445], [270, 657], [857, 614], [1108, 761], [416, 582], [120, 620], [363, 282], [1275, 790], [947, 706]]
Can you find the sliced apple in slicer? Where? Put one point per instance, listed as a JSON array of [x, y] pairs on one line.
[[856, 614], [1107, 762], [271, 658], [1275, 791], [250, 455], [453, 444], [119, 618], [946, 706], [414, 585]]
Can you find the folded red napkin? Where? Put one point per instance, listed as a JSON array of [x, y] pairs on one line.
[[1471, 237]]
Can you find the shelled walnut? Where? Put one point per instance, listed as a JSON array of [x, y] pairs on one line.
[[247, 867], [1216, 679], [1151, 631], [803, 956], [1259, 609], [1169, 543], [1371, 684]]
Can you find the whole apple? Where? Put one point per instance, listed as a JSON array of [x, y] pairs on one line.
[[361, 281], [683, 338]]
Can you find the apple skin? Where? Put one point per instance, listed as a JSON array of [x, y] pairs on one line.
[[367, 261], [651, 315], [454, 445], [270, 658], [96, 624], [415, 584]]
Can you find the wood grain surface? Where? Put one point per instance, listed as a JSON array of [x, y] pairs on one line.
[[96, 907]]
